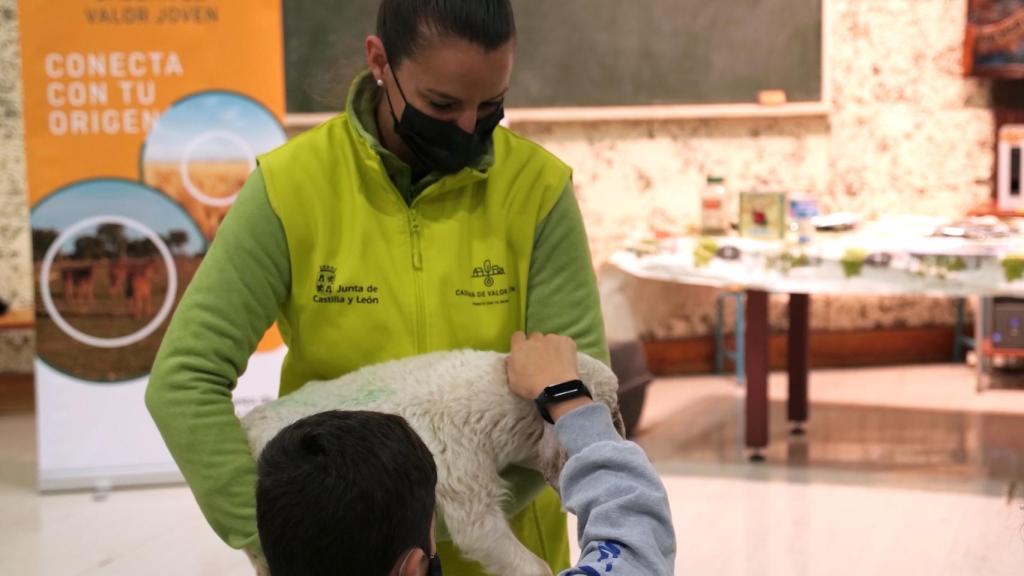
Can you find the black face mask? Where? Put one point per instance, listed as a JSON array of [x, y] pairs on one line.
[[440, 145]]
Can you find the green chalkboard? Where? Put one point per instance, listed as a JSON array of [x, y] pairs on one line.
[[593, 52]]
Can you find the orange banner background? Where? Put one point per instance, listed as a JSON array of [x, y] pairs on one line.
[[80, 58]]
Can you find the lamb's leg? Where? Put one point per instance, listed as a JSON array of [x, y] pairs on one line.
[[470, 495], [259, 562]]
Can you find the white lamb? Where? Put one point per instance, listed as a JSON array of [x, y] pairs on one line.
[[460, 405]]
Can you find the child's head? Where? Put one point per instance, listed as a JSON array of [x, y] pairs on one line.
[[345, 493]]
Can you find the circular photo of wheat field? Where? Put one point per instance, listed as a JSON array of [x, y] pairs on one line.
[[111, 260], [203, 149]]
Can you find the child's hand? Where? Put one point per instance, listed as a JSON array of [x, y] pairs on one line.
[[539, 361]]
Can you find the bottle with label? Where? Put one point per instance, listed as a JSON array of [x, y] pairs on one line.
[[713, 215]]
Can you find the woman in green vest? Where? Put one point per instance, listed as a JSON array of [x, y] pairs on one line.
[[410, 223]]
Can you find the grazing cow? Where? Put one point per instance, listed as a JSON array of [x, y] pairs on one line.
[[133, 278]]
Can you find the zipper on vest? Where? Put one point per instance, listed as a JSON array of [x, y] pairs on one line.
[[417, 265], [417, 252]]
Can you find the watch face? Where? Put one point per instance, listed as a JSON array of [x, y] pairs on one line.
[[566, 391], [559, 393]]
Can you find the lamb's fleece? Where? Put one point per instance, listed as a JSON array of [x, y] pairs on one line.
[[460, 405]]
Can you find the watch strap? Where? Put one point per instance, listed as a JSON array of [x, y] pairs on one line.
[[559, 393]]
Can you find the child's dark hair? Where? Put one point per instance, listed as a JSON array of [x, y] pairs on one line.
[[344, 493], [401, 24]]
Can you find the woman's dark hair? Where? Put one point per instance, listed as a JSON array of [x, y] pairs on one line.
[[402, 24], [344, 493]]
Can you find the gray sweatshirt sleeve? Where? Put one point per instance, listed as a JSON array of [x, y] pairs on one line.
[[625, 525]]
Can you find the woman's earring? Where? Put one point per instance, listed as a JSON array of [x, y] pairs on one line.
[[380, 82]]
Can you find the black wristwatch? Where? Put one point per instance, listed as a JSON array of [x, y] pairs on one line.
[[559, 393]]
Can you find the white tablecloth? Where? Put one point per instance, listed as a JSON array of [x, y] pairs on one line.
[[877, 260]]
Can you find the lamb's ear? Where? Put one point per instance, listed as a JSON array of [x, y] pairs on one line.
[[259, 561], [552, 456], [604, 385], [620, 425]]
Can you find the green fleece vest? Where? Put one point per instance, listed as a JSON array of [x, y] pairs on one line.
[[375, 279]]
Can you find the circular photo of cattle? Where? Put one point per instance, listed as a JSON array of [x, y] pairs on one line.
[[111, 260], [203, 149]]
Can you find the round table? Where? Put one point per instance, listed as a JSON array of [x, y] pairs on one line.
[[897, 257]]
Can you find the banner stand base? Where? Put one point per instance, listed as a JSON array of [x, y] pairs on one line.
[[102, 481]]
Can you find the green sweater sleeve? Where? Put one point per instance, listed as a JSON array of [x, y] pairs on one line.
[[232, 300], [562, 296]]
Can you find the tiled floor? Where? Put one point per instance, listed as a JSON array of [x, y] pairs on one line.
[[905, 471]]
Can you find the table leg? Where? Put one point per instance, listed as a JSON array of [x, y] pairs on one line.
[[799, 360], [757, 373]]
